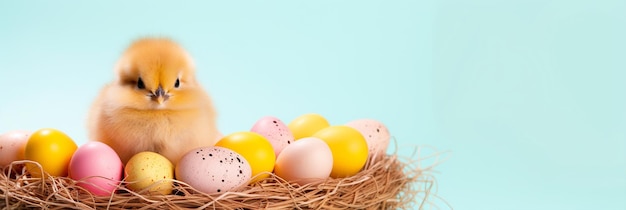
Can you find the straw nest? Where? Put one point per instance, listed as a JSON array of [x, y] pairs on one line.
[[388, 183]]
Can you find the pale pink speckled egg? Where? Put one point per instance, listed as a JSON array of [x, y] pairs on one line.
[[375, 133], [213, 169], [12, 146], [275, 131]]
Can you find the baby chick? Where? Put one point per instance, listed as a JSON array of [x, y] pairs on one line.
[[154, 104]]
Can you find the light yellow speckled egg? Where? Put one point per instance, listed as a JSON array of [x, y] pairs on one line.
[[149, 169]]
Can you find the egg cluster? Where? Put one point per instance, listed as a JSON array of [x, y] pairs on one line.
[[308, 150]]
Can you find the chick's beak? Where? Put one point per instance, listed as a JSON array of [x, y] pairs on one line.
[[160, 96]]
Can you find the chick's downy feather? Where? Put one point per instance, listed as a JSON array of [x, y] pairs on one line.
[[154, 104]]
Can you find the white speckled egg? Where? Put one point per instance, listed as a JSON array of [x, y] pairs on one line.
[[213, 169], [275, 131], [12, 146], [375, 133]]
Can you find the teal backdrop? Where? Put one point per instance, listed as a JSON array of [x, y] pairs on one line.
[[528, 96]]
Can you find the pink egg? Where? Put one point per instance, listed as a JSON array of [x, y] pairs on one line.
[[307, 160], [275, 131], [97, 167], [12, 146], [375, 133], [213, 169]]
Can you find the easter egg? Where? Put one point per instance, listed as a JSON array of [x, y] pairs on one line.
[[97, 168], [375, 133], [305, 161], [349, 149], [307, 125], [275, 131], [213, 170], [52, 149], [255, 149], [145, 169], [12, 145]]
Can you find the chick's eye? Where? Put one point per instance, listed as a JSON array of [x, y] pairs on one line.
[[140, 84], [177, 84]]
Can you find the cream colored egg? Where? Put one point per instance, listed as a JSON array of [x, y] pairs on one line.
[[308, 160], [149, 169]]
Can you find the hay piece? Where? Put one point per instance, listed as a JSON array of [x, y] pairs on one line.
[[384, 184]]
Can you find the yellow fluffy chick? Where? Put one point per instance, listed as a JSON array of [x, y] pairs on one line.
[[154, 104]]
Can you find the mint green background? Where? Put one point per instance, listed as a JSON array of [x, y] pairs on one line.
[[528, 95]]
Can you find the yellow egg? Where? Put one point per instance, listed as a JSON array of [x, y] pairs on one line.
[[145, 169], [349, 149], [52, 149], [307, 125], [255, 148]]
